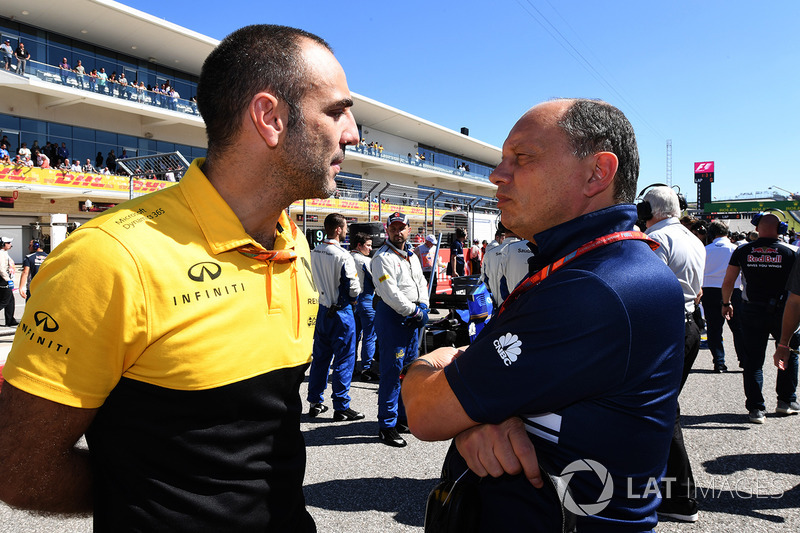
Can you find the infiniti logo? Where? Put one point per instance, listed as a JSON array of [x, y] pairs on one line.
[[47, 322], [199, 271]]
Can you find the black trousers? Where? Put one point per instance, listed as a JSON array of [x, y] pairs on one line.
[[7, 304], [678, 481]]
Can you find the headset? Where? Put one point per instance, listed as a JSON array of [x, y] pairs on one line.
[[36, 245], [783, 226], [645, 211]]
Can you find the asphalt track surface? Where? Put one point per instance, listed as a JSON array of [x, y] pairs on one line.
[[748, 476]]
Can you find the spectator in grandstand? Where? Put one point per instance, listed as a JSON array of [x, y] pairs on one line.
[[7, 52], [65, 165], [24, 151], [227, 429], [111, 161], [80, 72], [22, 56], [98, 160], [123, 86], [4, 155], [27, 162], [63, 154], [64, 70], [93, 80], [102, 81], [76, 166], [88, 167], [42, 160]]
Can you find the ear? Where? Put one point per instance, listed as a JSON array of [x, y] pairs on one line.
[[603, 173], [267, 118]]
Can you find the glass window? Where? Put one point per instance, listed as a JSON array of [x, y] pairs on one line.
[[59, 132], [83, 150], [9, 122]]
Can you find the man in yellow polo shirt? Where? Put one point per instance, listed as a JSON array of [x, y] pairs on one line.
[[147, 329]]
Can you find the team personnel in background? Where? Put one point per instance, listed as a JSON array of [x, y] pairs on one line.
[[718, 253], [574, 353], [183, 367], [514, 265], [7, 282], [426, 252], [499, 235], [335, 335], [457, 252], [475, 258], [765, 265], [30, 267], [685, 255], [401, 309], [791, 320], [360, 249]]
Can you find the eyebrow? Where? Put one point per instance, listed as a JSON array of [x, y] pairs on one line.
[[344, 102]]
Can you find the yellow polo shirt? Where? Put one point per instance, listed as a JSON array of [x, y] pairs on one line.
[[193, 351]]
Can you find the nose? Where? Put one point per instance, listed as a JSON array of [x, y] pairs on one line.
[[350, 133], [501, 173]]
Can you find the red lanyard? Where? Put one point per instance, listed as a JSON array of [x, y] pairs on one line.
[[531, 281]]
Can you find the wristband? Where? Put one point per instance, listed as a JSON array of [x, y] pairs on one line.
[[784, 346], [726, 304]]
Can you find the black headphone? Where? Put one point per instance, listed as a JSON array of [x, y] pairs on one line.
[[645, 211], [783, 226]]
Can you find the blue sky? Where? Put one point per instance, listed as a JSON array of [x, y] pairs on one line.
[[720, 79]]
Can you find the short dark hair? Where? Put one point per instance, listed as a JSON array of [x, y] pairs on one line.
[[717, 229], [252, 59], [333, 221], [595, 126], [358, 239], [460, 233]]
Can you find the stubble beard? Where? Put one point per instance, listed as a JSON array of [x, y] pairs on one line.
[[305, 168]]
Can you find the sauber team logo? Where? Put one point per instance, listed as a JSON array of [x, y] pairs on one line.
[[206, 269], [45, 321]]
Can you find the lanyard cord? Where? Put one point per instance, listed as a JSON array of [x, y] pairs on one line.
[[531, 281]]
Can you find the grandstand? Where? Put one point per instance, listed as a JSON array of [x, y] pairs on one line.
[[49, 104]]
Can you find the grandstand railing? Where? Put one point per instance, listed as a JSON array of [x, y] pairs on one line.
[[130, 93], [410, 160]]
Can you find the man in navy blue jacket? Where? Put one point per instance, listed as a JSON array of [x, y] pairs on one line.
[[578, 364]]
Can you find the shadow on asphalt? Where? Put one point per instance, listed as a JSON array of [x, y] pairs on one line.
[[403, 496], [716, 421], [755, 490]]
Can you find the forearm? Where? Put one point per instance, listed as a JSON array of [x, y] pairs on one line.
[[433, 411], [65, 487], [791, 318]]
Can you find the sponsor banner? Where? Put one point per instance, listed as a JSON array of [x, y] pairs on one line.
[[340, 204], [76, 180]]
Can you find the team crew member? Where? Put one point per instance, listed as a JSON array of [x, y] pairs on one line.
[[361, 246], [499, 235], [514, 265], [685, 255], [426, 252], [765, 265], [718, 254], [576, 354], [7, 282], [457, 252], [791, 320], [335, 336], [401, 310], [184, 367], [30, 267]]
